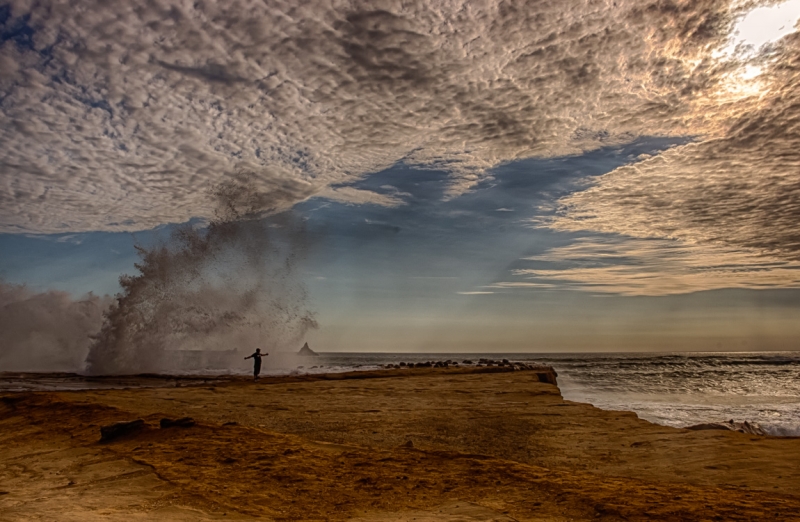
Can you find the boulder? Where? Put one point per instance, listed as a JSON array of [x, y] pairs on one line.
[[751, 428], [548, 376], [118, 429], [183, 422]]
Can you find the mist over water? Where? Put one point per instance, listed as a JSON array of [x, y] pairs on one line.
[[201, 299], [210, 293], [46, 331]]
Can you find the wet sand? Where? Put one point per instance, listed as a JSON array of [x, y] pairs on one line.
[[422, 444]]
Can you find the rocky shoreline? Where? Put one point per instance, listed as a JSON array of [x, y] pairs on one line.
[[448, 443]]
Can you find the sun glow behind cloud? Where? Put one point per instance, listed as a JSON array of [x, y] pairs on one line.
[[761, 26], [750, 38], [720, 212], [118, 117]]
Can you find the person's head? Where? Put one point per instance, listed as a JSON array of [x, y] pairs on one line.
[[258, 350]]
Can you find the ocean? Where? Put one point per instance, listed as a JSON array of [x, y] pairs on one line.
[[672, 389]]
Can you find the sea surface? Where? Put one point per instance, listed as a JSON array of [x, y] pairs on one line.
[[672, 389]]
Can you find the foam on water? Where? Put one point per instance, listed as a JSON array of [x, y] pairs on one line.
[[689, 388]]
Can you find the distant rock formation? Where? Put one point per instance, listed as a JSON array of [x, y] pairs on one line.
[[305, 350], [750, 428]]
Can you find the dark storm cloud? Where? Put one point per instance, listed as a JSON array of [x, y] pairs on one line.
[[121, 115]]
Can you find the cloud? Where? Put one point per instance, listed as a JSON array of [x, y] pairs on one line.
[[123, 116], [630, 266], [354, 196], [474, 293], [737, 194], [742, 191], [520, 284], [74, 239]]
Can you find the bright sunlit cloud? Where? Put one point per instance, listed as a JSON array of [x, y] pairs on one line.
[[762, 26], [122, 119], [757, 28]]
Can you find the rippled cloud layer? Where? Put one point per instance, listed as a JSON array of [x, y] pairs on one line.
[[121, 116], [730, 201], [626, 266]]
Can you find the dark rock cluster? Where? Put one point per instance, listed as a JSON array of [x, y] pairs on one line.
[[512, 365], [119, 429], [183, 422], [751, 428]]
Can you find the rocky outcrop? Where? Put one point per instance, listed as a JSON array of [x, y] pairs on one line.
[[183, 422], [305, 350], [547, 375], [751, 428]]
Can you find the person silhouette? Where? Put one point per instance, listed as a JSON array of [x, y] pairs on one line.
[[256, 362]]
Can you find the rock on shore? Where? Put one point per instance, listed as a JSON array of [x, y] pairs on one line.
[[750, 428]]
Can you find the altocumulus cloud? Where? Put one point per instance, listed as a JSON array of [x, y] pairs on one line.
[[120, 115], [729, 203], [630, 266]]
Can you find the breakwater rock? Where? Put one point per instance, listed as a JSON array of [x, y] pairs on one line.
[[750, 428], [546, 374]]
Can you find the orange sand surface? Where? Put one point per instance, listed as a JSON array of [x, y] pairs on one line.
[[422, 444]]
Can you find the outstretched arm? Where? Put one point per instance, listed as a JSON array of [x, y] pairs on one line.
[[249, 357]]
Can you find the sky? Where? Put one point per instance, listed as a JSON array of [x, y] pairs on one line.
[[530, 176]]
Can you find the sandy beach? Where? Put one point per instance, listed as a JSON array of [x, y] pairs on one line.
[[423, 444]]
